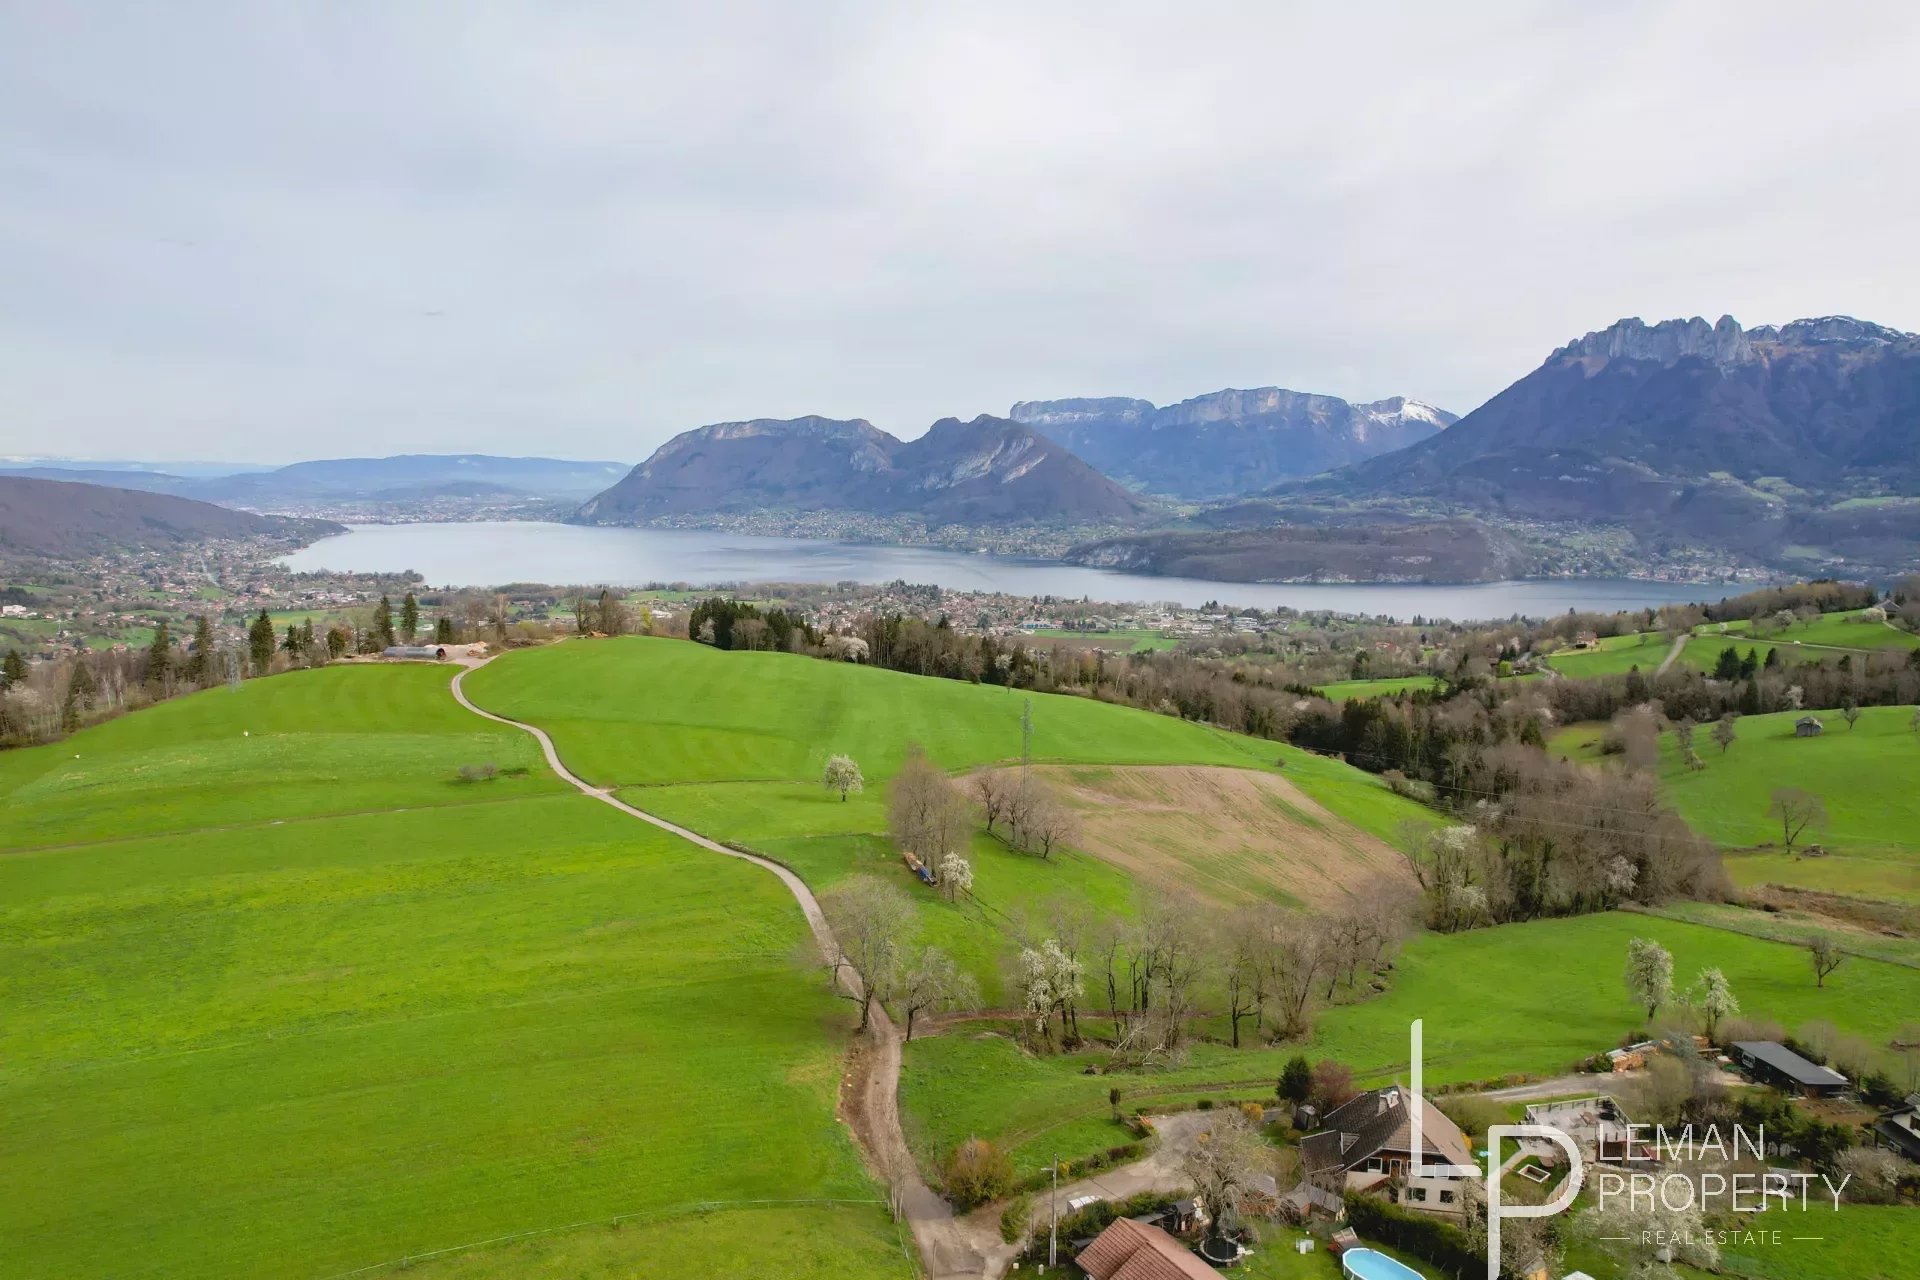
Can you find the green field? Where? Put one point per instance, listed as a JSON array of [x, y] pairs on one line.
[[1703, 652], [1359, 690], [283, 998], [1532, 998], [1863, 775], [1137, 640], [1845, 630], [665, 723], [1615, 656]]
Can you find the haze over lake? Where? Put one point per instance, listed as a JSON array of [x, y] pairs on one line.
[[486, 554]]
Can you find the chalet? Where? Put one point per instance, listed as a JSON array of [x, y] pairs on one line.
[[1899, 1129], [1129, 1250], [1770, 1062], [1808, 727], [1367, 1145]]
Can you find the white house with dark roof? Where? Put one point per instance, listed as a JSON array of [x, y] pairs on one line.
[[1367, 1146]]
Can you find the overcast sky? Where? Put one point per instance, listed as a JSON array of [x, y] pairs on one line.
[[266, 232]]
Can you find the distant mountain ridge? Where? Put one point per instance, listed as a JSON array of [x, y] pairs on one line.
[[1748, 438], [1229, 443], [983, 471], [403, 477], [59, 518]]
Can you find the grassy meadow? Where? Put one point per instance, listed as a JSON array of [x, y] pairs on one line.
[[1533, 998], [1360, 690], [283, 998], [1614, 656], [1863, 775], [733, 744]]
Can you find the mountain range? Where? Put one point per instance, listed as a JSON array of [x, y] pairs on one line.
[[402, 478], [989, 470], [59, 518], [1762, 440], [1232, 442], [1791, 447]]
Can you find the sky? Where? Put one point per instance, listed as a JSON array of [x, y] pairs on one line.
[[264, 232]]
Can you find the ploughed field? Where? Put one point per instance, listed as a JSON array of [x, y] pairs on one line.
[[733, 744], [286, 998]]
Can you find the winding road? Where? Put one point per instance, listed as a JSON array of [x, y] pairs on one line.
[[947, 1251]]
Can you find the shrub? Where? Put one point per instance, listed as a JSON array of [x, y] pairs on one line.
[[1296, 1080], [479, 772], [1205, 1104], [1599, 1063], [977, 1172], [1015, 1217]]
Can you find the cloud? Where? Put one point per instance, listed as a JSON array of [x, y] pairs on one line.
[[271, 232]]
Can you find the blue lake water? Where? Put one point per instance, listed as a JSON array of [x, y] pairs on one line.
[[486, 554]]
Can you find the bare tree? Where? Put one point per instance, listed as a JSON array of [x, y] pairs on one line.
[[1043, 821], [1239, 960], [842, 775], [926, 811], [1797, 810], [749, 633], [1223, 1163], [1850, 711], [994, 789], [1639, 732], [935, 983], [1826, 955], [870, 919], [1724, 732]]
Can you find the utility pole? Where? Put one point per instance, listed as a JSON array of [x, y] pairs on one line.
[[1026, 733], [1053, 1211]]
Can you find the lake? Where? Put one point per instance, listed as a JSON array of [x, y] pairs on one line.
[[486, 554]]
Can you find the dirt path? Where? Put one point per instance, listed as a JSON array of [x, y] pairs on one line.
[[947, 1251], [1673, 654]]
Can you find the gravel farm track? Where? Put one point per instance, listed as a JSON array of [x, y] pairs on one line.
[[948, 1245]]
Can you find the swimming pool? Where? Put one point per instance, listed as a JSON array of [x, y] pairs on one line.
[[1371, 1264]]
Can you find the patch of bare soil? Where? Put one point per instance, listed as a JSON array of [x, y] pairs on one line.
[[1862, 915], [1227, 835]]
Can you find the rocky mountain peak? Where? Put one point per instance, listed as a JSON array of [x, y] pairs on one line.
[[1049, 413], [1838, 329], [1724, 343]]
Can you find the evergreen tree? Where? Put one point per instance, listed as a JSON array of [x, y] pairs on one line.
[[383, 622], [199, 666], [1727, 666], [410, 617], [306, 635], [13, 670], [81, 690], [260, 643], [160, 656], [443, 630], [292, 643]]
